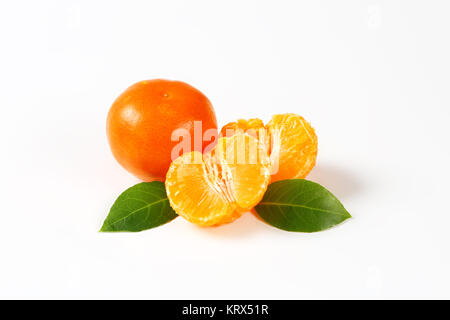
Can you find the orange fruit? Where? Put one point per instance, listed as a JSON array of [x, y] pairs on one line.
[[289, 139], [218, 187], [143, 118]]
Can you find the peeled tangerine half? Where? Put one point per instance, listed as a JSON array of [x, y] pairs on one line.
[[218, 187], [289, 139]]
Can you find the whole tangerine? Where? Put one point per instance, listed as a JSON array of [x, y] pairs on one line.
[[143, 118]]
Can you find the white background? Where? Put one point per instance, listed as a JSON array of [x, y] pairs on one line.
[[371, 76]]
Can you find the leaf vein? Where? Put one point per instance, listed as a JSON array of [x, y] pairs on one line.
[[134, 211], [301, 206]]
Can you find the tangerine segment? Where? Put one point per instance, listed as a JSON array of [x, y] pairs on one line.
[[247, 163], [289, 139], [216, 188], [251, 126], [293, 149], [192, 192]]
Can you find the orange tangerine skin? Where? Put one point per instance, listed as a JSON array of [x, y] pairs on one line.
[[142, 119], [289, 139]]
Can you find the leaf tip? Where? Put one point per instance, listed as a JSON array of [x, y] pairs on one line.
[[348, 215], [104, 228]]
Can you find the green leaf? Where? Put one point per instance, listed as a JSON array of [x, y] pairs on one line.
[[143, 206], [300, 205]]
